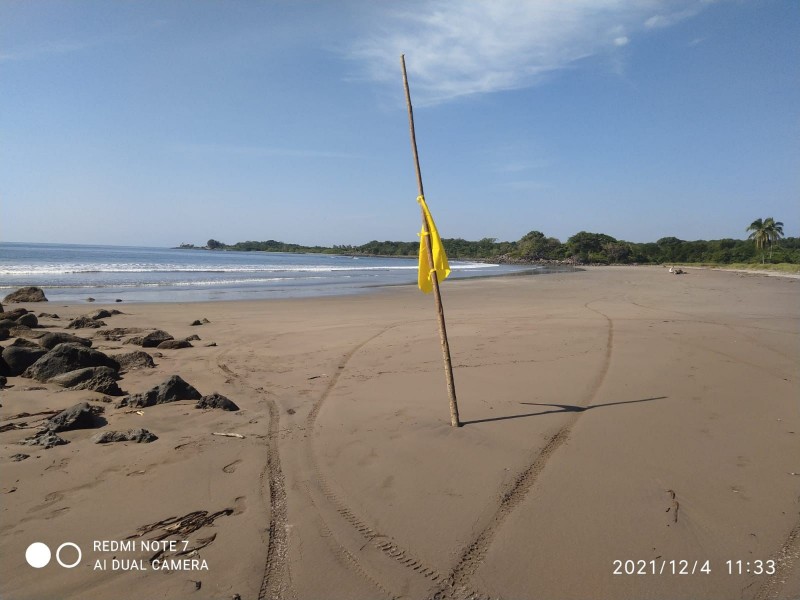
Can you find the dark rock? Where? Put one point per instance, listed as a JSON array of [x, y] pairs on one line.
[[117, 333], [216, 400], [135, 340], [118, 300], [68, 357], [195, 323], [131, 435], [85, 322], [19, 457], [3, 381], [28, 320], [134, 360], [13, 315], [172, 390], [193, 338], [51, 340], [100, 313], [45, 438], [154, 338], [7, 324], [97, 379], [173, 345], [204, 321], [90, 299], [23, 343], [26, 294], [211, 345], [80, 416], [45, 315], [19, 358], [4, 334]]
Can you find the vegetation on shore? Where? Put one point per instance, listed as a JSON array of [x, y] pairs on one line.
[[582, 248]]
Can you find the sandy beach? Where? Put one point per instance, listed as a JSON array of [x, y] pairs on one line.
[[614, 419]]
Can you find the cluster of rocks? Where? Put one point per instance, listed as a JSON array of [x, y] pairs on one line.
[[71, 362]]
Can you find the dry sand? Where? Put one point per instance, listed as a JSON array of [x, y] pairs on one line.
[[614, 414]]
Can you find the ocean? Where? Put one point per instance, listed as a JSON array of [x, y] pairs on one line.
[[72, 273]]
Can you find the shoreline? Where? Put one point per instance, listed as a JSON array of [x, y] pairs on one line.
[[603, 418]]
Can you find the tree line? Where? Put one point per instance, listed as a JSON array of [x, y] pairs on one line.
[[765, 244]]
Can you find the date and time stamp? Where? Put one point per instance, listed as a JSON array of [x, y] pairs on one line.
[[692, 567]]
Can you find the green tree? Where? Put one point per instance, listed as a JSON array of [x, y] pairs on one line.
[[214, 244], [766, 231], [774, 232]]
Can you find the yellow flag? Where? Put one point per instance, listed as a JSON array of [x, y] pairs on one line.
[[440, 263]]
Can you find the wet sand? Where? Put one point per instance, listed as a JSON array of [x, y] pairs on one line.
[[614, 414]]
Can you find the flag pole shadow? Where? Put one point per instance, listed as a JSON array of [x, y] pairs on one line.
[[561, 408]]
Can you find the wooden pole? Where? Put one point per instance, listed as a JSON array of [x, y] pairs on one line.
[[448, 366]]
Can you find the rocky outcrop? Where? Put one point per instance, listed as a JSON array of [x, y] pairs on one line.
[[28, 320], [96, 379], [134, 360], [19, 358], [13, 315], [172, 390], [216, 400], [85, 323], [26, 294], [154, 338], [173, 345], [102, 313], [51, 340], [79, 416], [131, 435], [117, 333], [68, 357], [44, 438]]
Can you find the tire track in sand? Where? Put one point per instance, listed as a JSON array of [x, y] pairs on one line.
[[457, 584], [275, 582], [379, 541]]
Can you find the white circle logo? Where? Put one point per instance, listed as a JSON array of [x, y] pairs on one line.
[[37, 555], [58, 555]]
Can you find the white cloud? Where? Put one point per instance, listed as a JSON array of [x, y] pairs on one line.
[[455, 48]]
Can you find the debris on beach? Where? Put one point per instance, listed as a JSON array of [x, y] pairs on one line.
[[232, 435]]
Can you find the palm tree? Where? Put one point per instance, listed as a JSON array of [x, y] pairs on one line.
[[774, 232], [765, 231], [759, 235]]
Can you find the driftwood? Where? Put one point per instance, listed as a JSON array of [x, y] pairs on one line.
[[233, 435]]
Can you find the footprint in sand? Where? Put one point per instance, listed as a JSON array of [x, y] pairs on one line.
[[230, 468], [239, 505]]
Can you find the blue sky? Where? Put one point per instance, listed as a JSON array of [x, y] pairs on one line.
[[155, 123]]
